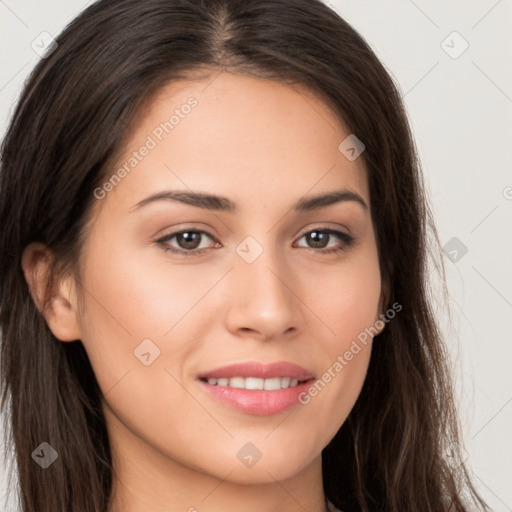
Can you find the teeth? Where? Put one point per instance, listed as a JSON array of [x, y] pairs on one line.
[[255, 383], [251, 382], [270, 384], [237, 382]]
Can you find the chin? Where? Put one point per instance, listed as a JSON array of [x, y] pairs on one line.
[[276, 463]]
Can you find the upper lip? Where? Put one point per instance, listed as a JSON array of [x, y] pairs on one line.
[[259, 370]]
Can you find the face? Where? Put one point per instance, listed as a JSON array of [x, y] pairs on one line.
[[176, 293]]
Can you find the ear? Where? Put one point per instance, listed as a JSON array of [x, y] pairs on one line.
[[60, 311]]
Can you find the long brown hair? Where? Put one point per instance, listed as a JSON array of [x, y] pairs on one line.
[[67, 128]]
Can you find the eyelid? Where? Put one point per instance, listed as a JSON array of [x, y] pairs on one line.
[[328, 229]]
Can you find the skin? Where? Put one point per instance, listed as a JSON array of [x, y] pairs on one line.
[[264, 145]]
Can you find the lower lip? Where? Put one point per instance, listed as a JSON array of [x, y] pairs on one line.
[[258, 401]]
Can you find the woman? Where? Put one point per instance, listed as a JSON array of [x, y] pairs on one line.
[[213, 271]]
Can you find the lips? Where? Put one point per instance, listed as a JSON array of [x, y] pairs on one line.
[[256, 388]]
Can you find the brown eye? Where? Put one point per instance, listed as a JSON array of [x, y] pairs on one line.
[[319, 238], [188, 242]]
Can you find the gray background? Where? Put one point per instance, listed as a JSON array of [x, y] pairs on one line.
[[460, 107]]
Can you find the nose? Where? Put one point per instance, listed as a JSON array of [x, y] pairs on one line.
[[263, 298]]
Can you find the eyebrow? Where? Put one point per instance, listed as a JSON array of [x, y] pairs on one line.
[[224, 204]]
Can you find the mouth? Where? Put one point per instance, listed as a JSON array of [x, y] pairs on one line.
[[257, 388]]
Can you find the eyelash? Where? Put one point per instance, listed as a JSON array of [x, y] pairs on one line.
[[348, 241]]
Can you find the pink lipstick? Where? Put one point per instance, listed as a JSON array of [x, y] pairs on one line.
[[257, 388]]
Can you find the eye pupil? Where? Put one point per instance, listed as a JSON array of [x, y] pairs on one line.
[[316, 238]]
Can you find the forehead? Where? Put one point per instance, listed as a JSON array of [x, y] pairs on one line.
[[238, 136]]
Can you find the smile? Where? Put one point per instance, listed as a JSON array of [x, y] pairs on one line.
[[257, 388]]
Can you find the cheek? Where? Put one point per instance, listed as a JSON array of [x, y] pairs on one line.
[[346, 299], [348, 309], [124, 304], [145, 297], [132, 297]]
